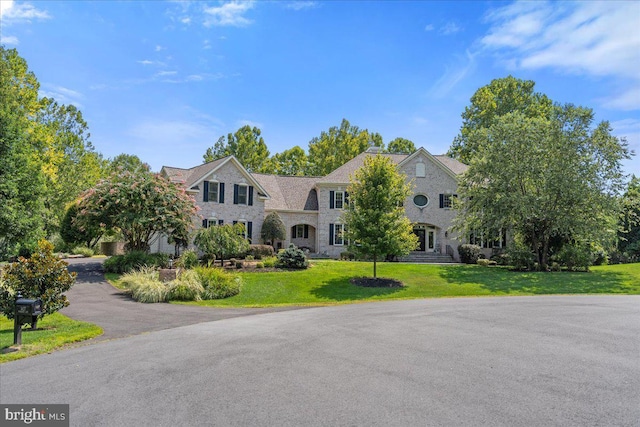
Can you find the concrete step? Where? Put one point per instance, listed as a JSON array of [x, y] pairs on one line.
[[427, 258]]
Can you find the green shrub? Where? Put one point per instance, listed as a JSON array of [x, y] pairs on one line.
[[347, 256], [83, 250], [261, 251], [249, 258], [521, 257], [43, 276], [218, 283], [500, 258], [575, 256], [270, 262], [145, 285], [260, 265], [134, 260], [187, 287], [292, 257], [470, 254], [486, 262], [239, 264], [188, 260]]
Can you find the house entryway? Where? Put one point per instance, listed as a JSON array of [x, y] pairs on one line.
[[426, 237]]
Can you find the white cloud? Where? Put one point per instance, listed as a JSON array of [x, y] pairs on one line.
[[591, 38], [146, 62], [11, 12], [301, 4], [429, 27], [229, 14], [9, 40], [159, 48], [244, 122], [453, 75], [450, 28], [166, 73], [62, 94]]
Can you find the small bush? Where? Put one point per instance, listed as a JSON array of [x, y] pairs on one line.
[[218, 283], [261, 251], [470, 254], [145, 285], [575, 256], [249, 258], [134, 260], [187, 287], [239, 264], [270, 262], [500, 258], [486, 262], [292, 257], [260, 265], [188, 260], [83, 250], [347, 256], [43, 276], [521, 257]]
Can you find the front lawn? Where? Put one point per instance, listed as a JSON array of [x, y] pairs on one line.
[[327, 282], [54, 331]]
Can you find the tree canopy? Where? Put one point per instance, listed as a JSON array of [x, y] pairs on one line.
[[139, 204], [222, 241], [546, 178], [337, 146], [273, 229], [376, 193], [490, 102], [246, 144], [401, 146]]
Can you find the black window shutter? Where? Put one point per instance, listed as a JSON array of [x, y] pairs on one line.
[[251, 195], [204, 223], [221, 193], [293, 232], [441, 201], [220, 222], [205, 196], [235, 222], [306, 231], [332, 195], [249, 230], [235, 194], [331, 234]]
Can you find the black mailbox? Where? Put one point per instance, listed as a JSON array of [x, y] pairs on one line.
[[28, 307]]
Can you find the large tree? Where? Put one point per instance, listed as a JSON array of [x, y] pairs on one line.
[[629, 233], [21, 173], [222, 241], [337, 146], [376, 223], [552, 177], [247, 145], [488, 104], [273, 229], [140, 205], [291, 162], [401, 146]]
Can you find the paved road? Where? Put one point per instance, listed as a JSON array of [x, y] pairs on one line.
[[512, 361], [94, 300]]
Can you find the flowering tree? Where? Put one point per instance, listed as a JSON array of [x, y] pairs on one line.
[[139, 204]]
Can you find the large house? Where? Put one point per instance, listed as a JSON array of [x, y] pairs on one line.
[[311, 207]]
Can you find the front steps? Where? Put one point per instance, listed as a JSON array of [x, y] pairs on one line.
[[427, 258]]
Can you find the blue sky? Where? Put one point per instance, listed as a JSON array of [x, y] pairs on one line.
[[163, 80]]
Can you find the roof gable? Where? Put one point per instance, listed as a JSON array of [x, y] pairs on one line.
[[449, 165]]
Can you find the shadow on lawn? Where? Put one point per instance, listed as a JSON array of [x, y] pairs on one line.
[[343, 290], [501, 280]]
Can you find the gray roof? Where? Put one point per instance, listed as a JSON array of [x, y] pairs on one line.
[[289, 192], [188, 177], [344, 172]]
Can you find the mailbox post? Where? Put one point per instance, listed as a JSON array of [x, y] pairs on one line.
[[27, 311]]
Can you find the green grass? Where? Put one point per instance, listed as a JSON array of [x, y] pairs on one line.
[[54, 331], [327, 282]]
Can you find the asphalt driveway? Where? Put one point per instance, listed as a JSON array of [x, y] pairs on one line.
[[510, 361], [94, 300]]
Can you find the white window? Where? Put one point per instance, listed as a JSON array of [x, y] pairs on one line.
[[213, 191], [299, 231], [339, 199], [421, 170], [242, 194], [211, 222], [447, 201], [338, 238]]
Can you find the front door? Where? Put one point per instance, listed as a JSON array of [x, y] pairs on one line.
[[431, 240], [422, 238]]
